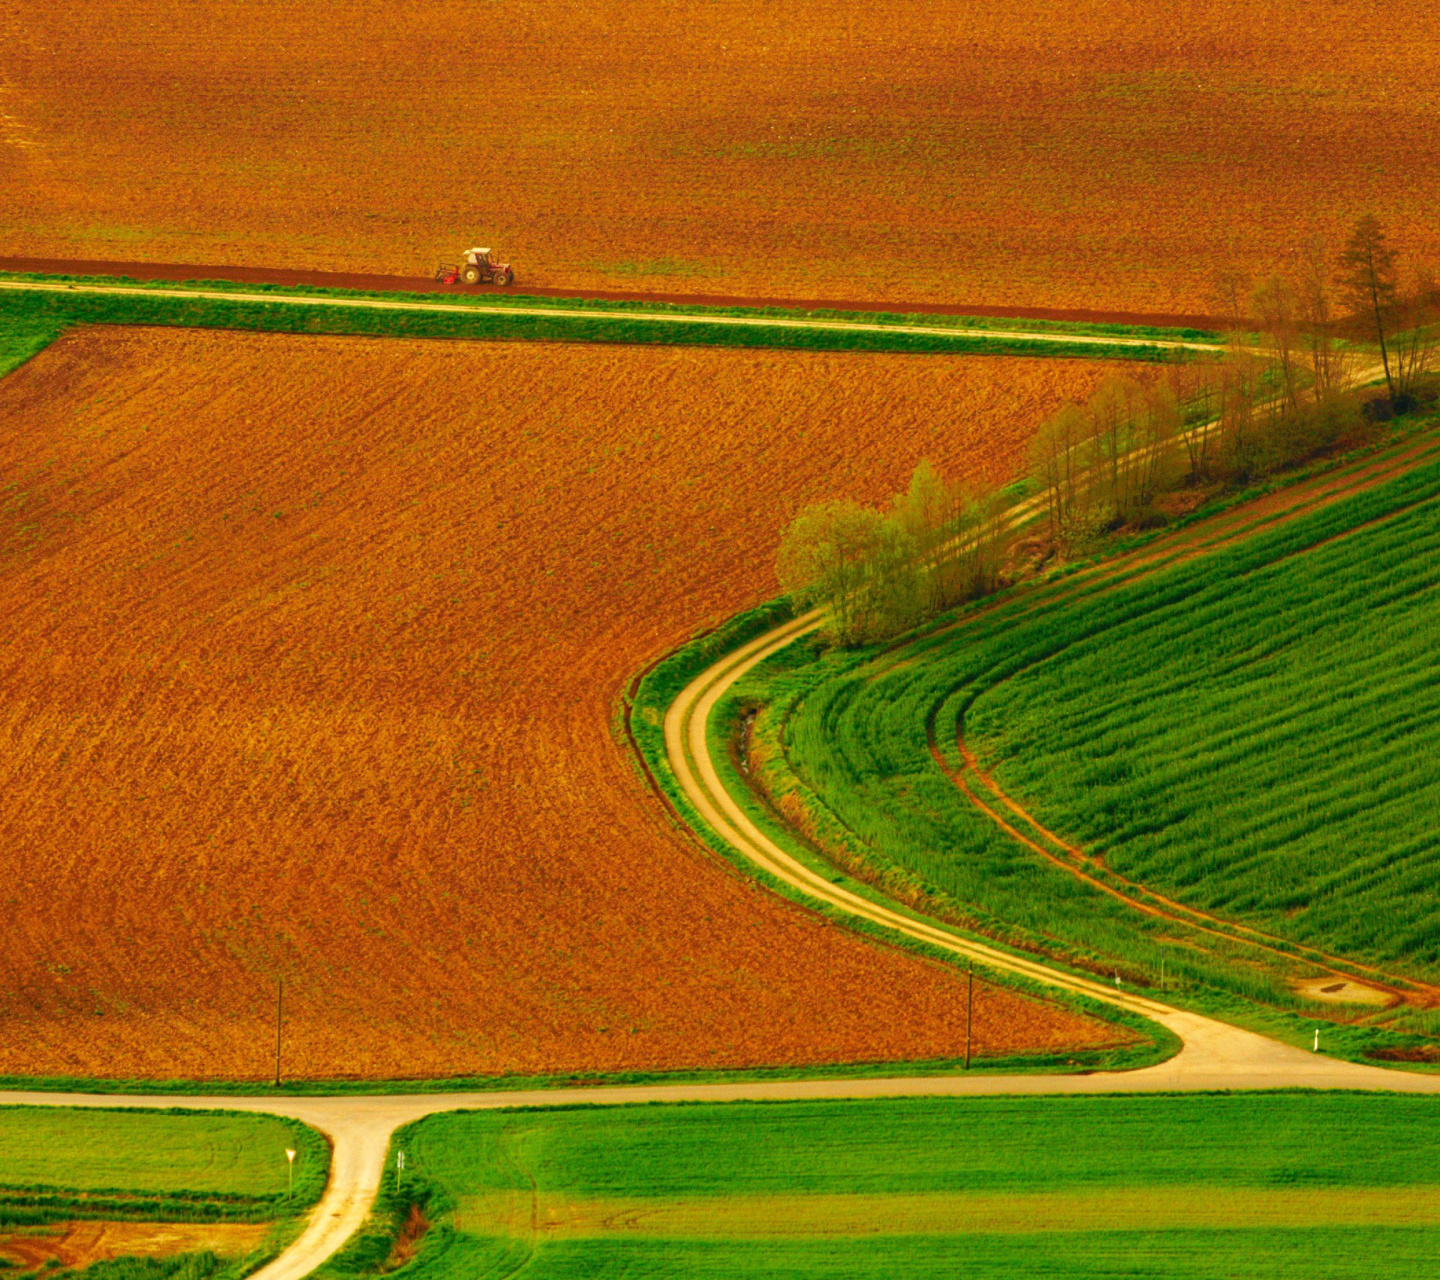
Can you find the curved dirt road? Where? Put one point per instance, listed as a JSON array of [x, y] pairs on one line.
[[1042, 337], [1213, 1054]]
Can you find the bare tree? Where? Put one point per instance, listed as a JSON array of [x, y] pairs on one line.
[[1415, 344], [1231, 287], [1275, 306], [1059, 461], [1368, 281], [1316, 321], [827, 557]]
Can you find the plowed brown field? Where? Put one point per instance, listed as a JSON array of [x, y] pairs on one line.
[[309, 658], [1085, 153]]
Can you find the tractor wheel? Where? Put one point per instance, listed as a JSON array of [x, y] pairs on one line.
[[505, 279], [471, 274]]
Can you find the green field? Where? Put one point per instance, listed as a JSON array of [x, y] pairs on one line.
[[1303, 1185], [60, 1162], [1250, 731]]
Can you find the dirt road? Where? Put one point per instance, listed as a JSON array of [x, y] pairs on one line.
[[1214, 1057], [481, 304]]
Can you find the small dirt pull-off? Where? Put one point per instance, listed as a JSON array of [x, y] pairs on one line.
[[476, 266]]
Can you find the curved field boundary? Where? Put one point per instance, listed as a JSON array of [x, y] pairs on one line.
[[1119, 346]]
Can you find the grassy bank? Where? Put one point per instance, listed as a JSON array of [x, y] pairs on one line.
[[494, 300], [1176, 1186], [190, 1195]]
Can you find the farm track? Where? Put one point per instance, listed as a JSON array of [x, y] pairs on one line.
[[179, 271], [1041, 337]]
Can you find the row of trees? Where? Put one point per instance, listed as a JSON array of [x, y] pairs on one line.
[[1102, 464], [1306, 308], [1284, 390], [879, 572]]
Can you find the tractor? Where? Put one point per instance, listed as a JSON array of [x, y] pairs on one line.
[[477, 266]]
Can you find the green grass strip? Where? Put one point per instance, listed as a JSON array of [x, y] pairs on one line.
[[291, 311]]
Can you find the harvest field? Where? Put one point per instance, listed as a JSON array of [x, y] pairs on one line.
[[1246, 731], [79, 1186], [310, 664], [1181, 1186], [1079, 154]]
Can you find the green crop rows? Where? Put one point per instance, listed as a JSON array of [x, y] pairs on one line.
[[1279, 1185], [1252, 732]]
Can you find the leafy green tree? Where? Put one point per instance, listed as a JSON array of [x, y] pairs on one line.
[[829, 557]]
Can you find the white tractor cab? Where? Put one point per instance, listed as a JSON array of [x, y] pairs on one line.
[[476, 266]]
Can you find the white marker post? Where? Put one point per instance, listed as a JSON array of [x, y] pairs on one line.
[[399, 1168], [1316, 1049], [290, 1159]]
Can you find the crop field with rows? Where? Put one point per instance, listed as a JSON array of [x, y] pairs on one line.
[[1196, 1188], [1249, 731], [309, 668], [1090, 155]]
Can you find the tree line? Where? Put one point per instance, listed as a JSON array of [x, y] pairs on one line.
[[1283, 391], [880, 572]]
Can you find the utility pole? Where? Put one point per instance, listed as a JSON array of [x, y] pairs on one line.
[[279, 1014], [969, 1006]]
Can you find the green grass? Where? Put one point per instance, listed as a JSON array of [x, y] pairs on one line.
[[36, 313], [22, 334], [184, 1266], [1284, 1184], [170, 1165], [1249, 732]]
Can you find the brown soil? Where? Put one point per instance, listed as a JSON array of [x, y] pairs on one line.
[[309, 663], [78, 1244], [1090, 155], [1418, 1053], [408, 1238]]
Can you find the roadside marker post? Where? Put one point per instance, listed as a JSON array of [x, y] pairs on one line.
[[399, 1168], [290, 1164], [1316, 1048]]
